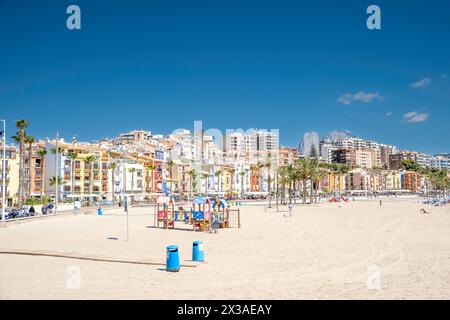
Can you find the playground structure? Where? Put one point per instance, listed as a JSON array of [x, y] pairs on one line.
[[165, 212], [222, 212], [338, 199], [201, 214], [204, 215]]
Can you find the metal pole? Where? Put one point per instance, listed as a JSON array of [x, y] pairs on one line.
[[128, 233], [125, 201], [4, 171], [56, 173]]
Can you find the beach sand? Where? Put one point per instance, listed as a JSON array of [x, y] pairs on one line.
[[326, 251]]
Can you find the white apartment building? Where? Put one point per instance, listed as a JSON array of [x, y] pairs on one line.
[[441, 161], [424, 160]]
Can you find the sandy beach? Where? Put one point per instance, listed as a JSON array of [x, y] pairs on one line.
[[325, 251]]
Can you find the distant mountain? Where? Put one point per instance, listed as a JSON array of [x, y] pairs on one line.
[[339, 134]]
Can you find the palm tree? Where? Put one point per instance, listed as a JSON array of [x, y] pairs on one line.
[[151, 168], [242, 174], [21, 126], [292, 178], [53, 180], [192, 176], [29, 139], [313, 172], [260, 166], [170, 164], [232, 172], [89, 160], [206, 176], [317, 176], [42, 153], [218, 173], [303, 167], [132, 171], [72, 155], [112, 166], [268, 165], [283, 180]]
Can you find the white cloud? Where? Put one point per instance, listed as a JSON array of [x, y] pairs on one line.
[[388, 114], [415, 117], [361, 96], [422, 83]]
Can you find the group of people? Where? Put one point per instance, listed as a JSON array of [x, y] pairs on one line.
[[47, 208]]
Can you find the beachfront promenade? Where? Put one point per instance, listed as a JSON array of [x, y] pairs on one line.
[[329, 250]]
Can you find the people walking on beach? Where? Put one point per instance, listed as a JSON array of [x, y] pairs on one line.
[[381, 202], [291, 208], [76, 207]]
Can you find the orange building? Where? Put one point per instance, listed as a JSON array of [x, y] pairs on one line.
[[287, 156], [411, 181]]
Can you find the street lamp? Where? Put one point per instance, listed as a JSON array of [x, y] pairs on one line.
[[56, 173], [4, 170]]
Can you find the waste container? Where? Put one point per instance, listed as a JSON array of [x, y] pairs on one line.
[[197, 251], [172, 259], [100, 211]]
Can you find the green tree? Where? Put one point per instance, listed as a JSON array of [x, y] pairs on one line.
[[151, 167], [52, 181], [313, 152], [206, 176], [303, 167], [29, 140], [113, 166], [268, 166], [411, 165], [20, 138], [192, 176], [73, 156], [242, 174], [232, 172], [132, 171], [170, 164], [218, 174]]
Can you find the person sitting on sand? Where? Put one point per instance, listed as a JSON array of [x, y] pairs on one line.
[[422, 211]]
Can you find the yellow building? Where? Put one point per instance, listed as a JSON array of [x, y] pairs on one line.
[[227, 176], [335, 182], [393, 180]]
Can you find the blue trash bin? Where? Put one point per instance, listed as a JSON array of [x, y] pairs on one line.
[[198, 251], [100, 211], [172, 259]]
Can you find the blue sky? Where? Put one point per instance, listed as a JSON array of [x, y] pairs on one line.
[[160, 65]]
